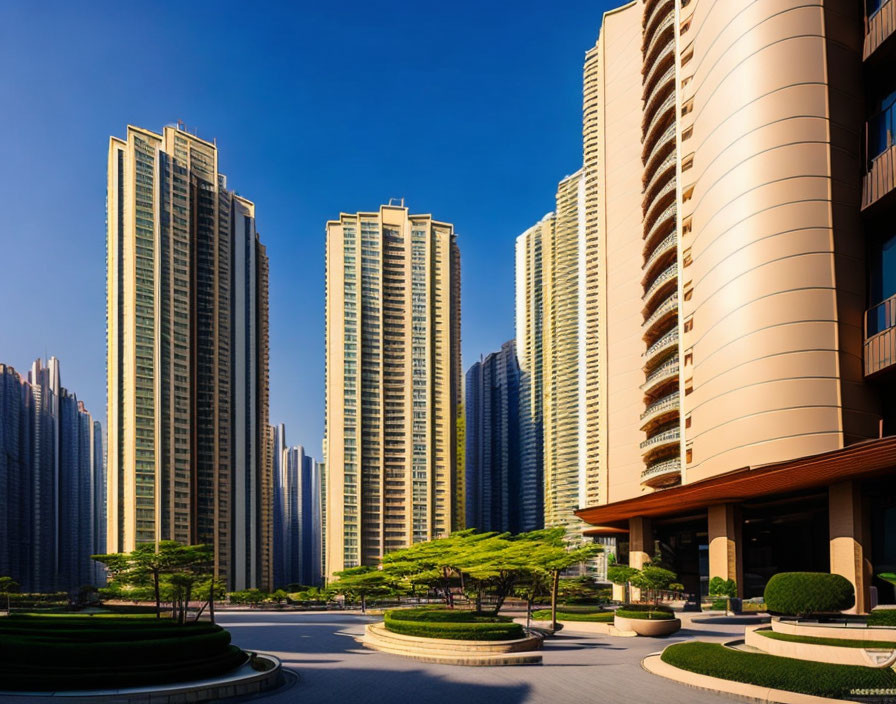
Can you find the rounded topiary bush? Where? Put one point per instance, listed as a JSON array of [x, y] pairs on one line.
[[806, 593]]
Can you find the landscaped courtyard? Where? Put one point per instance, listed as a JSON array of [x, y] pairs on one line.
[[320, 648]]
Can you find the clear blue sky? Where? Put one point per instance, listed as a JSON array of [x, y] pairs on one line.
[[470, 110]]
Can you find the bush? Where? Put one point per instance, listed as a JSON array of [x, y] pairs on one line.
[[455, 625], [656, 615], [819, 679], [805, 593], [883, 617], [722, 587], [647, 607], [566, 615]]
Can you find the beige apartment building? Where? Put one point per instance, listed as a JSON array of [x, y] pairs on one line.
[[393, 384], [739, 176], [187, 358]]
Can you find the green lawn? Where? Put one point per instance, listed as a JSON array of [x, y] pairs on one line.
[[840, 642], [882, 617], [51, 652], [819, 679], [588, 616]]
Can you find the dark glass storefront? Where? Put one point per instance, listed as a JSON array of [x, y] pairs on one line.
[[881, 497]]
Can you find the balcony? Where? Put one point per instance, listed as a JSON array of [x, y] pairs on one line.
[[657, 124], [881, 178], [662, 410], [880, 337], [662, 474], [658, 154], [663, 312], [656, 199], [663, 374], [666, 276], [663, 346], [661, 171], [664, 220], [665, 246], [657, 101], [879, 28], [653, 9], [654, 36], [661, 441], [658, 67]]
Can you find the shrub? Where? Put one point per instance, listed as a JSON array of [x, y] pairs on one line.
[[455, 625], [647, 607], [722, 587], [655, 615], [805, 593], [883, 617], [836, 642], [565, 615], [819, 679]]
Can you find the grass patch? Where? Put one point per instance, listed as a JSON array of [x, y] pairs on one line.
[[452, 624], [593, 616], [839, 642], [52, 652], [882, 617], [819, 679]]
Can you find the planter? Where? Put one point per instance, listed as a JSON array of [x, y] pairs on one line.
[[652, 628], [849, 631], [831, 654]]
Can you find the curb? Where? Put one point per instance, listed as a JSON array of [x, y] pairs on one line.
[[748, 692]]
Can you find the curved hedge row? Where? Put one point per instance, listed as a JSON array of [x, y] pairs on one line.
[[53, 653], [805, 593], [645, 615], [807, 677], [454, 625], [589, 616]]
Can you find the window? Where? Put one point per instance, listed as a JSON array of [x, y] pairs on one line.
[[687, 107], [688, 386], [687, 134], [686, 226], [687, 421], [686, 259], [688, 194], [687, 162], [689, 356], [882, 127], [689, 324], [687, 55]]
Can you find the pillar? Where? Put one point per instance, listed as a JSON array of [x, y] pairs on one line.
[[725, 553], [640, 546], [850, 548]]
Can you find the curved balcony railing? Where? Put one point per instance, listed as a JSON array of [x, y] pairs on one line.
[[658, 202], [657, 170], [659, 73], [657, 409], [652, 10], [656, 122], [653, 34], [664, 247], [660, 282], [657, 145], [661, 178], [665, 372], [667, 437], [654, 101], [663, 473], [662, 218], [658, 156], [664, 344], [662, 310]]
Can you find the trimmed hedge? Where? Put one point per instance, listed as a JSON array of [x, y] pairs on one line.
[[806, 593], [647, 607], [883, 617], [806, 677], [455, 625], [658, 615], [838, 642], [588, 616], [45, 653]]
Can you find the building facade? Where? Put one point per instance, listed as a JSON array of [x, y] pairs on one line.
[[530, 355], [297, 515], [393, 384], [52, 518], [187, 362], [724, 151], [493, 468]]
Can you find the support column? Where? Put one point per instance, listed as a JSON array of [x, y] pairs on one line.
[[640, 546], [725, 553], [849, 543]]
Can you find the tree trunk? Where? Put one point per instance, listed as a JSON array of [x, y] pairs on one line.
[[211, 601], [555, 587], [528, 609], [155, 586], [478, 598], [363, 603]]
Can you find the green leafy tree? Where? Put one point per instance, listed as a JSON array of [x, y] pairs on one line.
[[363, 582], [8, 586], [621, 576], [653, 579]]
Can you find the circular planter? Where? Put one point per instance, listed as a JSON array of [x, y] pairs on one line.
[[652, 628]]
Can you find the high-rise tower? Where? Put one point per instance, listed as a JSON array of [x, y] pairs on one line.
[[393, 384], [187, 362]]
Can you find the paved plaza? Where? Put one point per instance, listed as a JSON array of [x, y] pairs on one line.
[[332, 667]]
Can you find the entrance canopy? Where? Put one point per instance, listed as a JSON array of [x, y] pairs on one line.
[[865, 459]]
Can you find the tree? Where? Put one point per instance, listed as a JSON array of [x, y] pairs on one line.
[[362, 582], [652, 579], [8, 586], [621, 576]]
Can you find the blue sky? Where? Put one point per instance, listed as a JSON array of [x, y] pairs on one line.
[[471, 111]]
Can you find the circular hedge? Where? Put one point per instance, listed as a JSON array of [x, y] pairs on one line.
[[452, 624], [44, 653], [806, 593]]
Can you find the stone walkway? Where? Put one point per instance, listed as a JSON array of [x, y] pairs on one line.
[[332, 667]]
